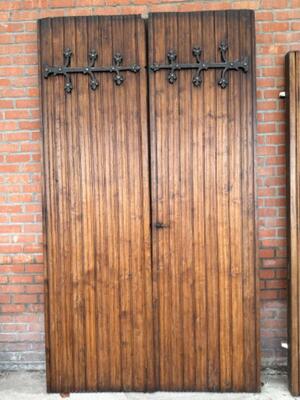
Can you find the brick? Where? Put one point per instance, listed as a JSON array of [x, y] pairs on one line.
[[275, 139], [13, 308], [25, 298], [267, 274], [264, 15], [281, 274], [274, 242], [9, 168], [6, 103], [265, 150], [287, 14], [274, 26], [4, 298], [271, 4], [294, 3], [23, 218], [21, 15], [10, 228], [28, 103], [268, 294], [275, 263], [276, 283], [26, 38], [279, 202], [266, 253], [34, 268], [14, 328], [20, 279], [8, 269], [17, 136], [267, 105], [60, 3], [266, 128], [8, 125], [29, 125], [30, 147], [17, 158], [287, 37]]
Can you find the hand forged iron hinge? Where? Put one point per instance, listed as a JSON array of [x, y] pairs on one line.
[[66, 69], [200, 66], [90, 69]]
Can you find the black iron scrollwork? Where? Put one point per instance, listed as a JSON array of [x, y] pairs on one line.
[[116, 68], [200, 66]]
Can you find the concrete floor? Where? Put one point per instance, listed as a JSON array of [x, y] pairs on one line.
[[31, 385]]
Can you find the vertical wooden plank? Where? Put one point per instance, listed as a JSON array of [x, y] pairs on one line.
[[74, 172], [170, 159], [103, 230], [56, 206], [160, 239], [223, 222], [235, 205], [248, 141], [59, 190], [62, 194], [45, 42], [141, 275], [211, 238], [198, 240], [111, 231], [149, 352], [292, 72], [68, 381], [186, 208], [82, 246], [153, 26], [70, 148], [91, 26], [123, 198], [297, 200]]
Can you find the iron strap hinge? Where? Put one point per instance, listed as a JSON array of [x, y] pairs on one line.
[[200, 66], [117, 68]]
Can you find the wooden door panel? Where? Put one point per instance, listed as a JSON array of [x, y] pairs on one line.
[[118, 318], [202, 168], [96, 210]]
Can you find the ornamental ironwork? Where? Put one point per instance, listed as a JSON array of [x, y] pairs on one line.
[[66, 69], [172, 67], [200, 66]]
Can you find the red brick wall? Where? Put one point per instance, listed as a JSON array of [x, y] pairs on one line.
[[21, 260]]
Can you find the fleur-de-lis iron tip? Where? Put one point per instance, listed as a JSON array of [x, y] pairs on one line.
[[172, 56], [68, 87], [200, 66], [90, 69], [118, 59]]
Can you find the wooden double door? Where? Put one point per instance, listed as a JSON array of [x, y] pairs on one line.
[[149, 202]]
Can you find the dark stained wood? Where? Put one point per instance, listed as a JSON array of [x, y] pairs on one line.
[[97, 212], [130, 307], [223, 250], [203, 175], [293, 143]]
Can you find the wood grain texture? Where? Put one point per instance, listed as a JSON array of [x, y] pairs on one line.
[[293, 144], [97, 212], [203, 175], [130, 306]]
